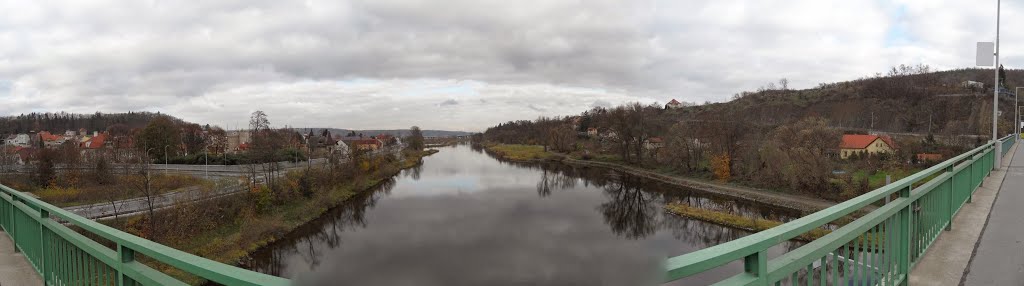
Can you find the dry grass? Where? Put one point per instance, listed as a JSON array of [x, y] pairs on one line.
[[736, 221], [517, 152]]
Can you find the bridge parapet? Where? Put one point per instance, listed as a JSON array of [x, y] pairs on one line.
[[879, 247], [65, 257]]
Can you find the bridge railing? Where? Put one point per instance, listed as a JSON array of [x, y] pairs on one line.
[[879, 248], [65, 257]]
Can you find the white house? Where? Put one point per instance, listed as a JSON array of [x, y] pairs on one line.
[[674, 104], [341, 148], [20, 140]]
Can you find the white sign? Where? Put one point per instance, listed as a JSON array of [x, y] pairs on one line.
[[986, 54]]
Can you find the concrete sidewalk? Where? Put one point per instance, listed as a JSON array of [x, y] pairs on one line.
[[947, 259], [999, 255], [14, 268]]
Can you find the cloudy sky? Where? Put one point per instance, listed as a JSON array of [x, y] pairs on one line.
[[458, 64]]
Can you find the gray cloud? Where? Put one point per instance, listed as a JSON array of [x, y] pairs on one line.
[[449, 102], [195, 59]]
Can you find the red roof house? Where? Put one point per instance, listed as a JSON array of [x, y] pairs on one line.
[[865, 144]]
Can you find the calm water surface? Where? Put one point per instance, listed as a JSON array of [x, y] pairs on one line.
[[466, 218]]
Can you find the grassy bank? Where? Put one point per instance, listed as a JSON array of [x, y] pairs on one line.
[[517, 152], [229, 229], [736, 221]]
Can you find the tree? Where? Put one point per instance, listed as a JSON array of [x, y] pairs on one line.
[[415, 138], [193, 138], [160, 136], [784, 83]]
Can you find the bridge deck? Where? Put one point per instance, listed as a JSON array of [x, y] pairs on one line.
[[999, 256], [14, 268], [948, 259]]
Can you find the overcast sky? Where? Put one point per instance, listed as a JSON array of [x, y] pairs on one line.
[[457, 64]]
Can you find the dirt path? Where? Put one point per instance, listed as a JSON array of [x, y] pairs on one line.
[[806, 204]]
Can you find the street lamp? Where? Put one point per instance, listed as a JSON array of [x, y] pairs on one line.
[[1016, 114], [995, 98], [165, 159], [206, 156]]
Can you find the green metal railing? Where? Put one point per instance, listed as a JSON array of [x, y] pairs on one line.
[[878, 248], [65, 257]]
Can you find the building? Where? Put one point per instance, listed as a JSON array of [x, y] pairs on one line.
[[853, 144], [341, 148], [674, 104], [972, 85], [654, 143], [236, 139], [51, 140], [367, 144], [20, 140], [592, 132]]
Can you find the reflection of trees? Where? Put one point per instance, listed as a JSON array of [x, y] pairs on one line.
[[629, 210], [310, 241], [416, 170], [554, 180]]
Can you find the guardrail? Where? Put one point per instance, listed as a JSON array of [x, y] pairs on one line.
[[65, 257], [878, 248]]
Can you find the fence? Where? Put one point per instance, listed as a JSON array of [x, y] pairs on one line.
[[65, 257], [878, 248]]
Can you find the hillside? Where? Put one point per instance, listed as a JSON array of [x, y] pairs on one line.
[[923, 103], [60, 121]]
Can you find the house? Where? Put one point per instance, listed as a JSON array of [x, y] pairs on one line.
[[20, 140], [972, 85], [864, 144], [236, 139], [653, 143], [592, 132], [51, 140], [367, 144], [95, 142], [674, 104], [929, 157], [341, 148]]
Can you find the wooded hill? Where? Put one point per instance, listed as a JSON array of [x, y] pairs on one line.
[[61, 121], [932, 102]]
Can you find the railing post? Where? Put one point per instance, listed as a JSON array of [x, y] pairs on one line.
[[43, 259], [952, 189], [757, 264], [125, 255], [14, 223], [904, 259]]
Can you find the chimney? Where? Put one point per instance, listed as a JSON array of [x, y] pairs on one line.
[[95, 133]]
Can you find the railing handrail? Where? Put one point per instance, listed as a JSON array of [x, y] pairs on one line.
[[715, 256], [193, 264]]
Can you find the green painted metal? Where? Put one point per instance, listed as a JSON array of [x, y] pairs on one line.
[[65, 257], [880, 247]]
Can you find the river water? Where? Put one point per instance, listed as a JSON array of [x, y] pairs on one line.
[[466, 218]]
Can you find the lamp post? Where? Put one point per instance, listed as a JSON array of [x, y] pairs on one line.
[[1016, 113], [165, 159], [995, 98], [148, 162], [206, 156]]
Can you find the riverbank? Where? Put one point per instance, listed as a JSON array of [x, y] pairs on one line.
[[534, 153], [229, 229], [736, 221]]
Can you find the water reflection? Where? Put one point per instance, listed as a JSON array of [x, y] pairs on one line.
[[463, 218]]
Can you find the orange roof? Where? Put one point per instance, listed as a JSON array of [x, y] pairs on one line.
[[46, 136], [860, 141], [95, 142], [673, 102]]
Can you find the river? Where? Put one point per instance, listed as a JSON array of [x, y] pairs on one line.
[[465, 218]]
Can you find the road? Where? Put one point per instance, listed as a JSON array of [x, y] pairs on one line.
[[138, 205]]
